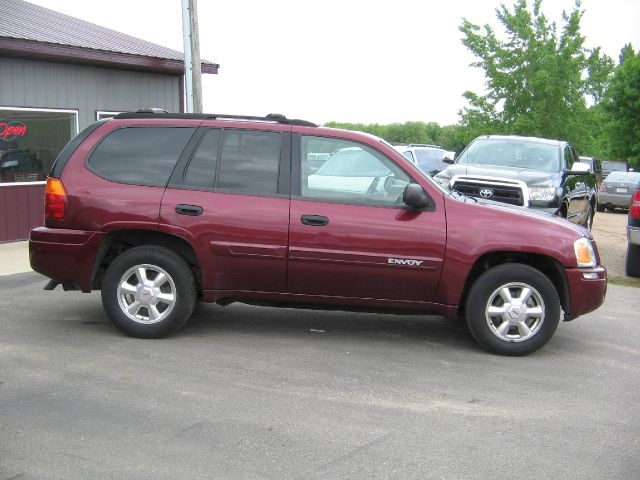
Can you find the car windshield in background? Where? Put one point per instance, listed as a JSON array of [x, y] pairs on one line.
[[612, 165], [515, 154], [429, 160], [352, 162], [623, 177]]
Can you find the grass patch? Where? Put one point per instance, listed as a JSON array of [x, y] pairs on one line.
[[624, 281]]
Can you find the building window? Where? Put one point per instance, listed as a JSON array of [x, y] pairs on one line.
[[100, 114], [30, 140]]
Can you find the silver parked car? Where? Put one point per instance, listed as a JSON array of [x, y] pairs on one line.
[[616, 190]]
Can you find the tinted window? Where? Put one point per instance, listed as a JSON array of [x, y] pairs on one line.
[[202, 168], [140, 155], [354, 174], [250, 162]]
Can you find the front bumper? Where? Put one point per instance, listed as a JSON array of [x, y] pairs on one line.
[[587, 290], [65, 256]]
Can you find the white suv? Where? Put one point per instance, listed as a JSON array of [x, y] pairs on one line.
[[429, 158]]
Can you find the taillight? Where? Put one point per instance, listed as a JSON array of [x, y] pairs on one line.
[[634, 208], [55, 199], [603, 187]]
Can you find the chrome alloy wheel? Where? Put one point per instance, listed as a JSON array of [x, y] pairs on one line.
[[146, 294], [515, 312]]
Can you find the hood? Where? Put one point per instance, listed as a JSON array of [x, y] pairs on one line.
[[505, 208], [528, 176]]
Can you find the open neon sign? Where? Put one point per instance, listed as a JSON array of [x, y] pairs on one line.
[[11, 130]]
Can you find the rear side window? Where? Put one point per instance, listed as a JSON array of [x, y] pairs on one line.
[[237, 161], [140, 155]]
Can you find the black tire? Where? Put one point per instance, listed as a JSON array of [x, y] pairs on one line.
[[156, 285], [505, 333], [632, 264], [599, 207]]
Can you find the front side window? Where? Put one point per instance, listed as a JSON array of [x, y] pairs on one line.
[[140, 155], [30, 140], [354, 173]]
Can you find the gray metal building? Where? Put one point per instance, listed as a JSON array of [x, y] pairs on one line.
[[57, 75]]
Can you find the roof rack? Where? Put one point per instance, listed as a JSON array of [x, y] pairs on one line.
[[424, 145], [158, 113]]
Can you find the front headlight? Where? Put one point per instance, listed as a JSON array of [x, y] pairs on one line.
[[545, 194], [585, 256]]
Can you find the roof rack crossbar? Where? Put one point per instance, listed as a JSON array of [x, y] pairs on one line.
[[272, 117]]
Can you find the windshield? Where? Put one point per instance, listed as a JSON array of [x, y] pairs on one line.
[[512, 153], [619, 166], [624, 177], [429, 160]]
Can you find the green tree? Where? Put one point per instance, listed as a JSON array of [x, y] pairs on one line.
[[410, 132], [538, 81], [622, 108]]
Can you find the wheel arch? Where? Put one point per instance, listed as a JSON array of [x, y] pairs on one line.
[[549, 266], [114, 243]]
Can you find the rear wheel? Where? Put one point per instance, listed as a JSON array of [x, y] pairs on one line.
[[632, 264], [599, 207], [512, 309], [149, 292]]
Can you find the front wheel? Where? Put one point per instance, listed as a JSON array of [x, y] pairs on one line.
[[512, 309], [149, 292]]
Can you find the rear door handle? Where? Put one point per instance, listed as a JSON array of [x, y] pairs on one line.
[[191, 210], [314, 220]]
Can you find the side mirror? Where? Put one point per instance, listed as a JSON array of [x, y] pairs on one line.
[[579, 168], [448, 159], [415, 196]]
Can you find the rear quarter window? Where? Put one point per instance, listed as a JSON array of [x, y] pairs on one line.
[[140, 155]]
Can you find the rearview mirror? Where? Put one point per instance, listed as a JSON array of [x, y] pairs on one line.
[[415, 196]]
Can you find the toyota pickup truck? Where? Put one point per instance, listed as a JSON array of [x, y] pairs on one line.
[[531, 172]]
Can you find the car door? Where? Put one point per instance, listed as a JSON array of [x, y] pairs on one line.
[[230, 199], [577, 190], [350, 235]]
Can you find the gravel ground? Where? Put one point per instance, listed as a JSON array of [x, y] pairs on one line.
[[609, 231]]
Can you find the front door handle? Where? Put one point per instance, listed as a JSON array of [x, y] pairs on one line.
[[191, 210], [314, 220]]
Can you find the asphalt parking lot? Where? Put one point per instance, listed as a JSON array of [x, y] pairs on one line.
[[249, 392]]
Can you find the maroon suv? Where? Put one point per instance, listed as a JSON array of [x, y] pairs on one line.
[[162, 210]]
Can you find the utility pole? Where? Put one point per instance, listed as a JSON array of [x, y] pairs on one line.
[[192, 72]]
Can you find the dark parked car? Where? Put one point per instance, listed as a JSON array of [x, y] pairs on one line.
[[526, 171], [616, 190], [633, 235], [162, 210]]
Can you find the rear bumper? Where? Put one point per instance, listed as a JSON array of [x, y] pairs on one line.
[[633, 235], [65, 256], [587, 290], [616, 200]]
